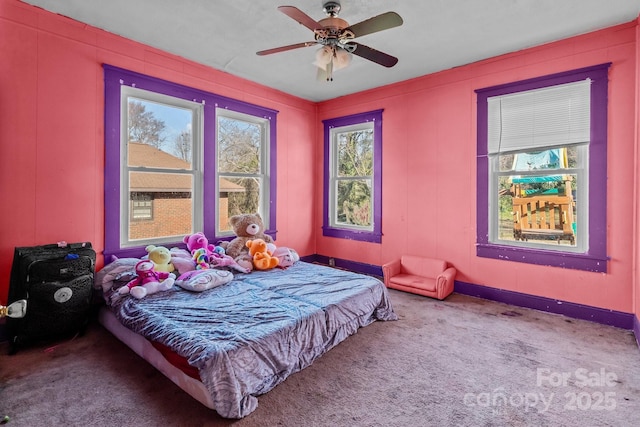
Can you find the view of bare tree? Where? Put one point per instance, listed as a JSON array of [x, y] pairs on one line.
[[239, 153], [182, 145], [239, 150], [144, 127]]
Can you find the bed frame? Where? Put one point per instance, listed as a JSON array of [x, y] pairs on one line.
[[145, 349]]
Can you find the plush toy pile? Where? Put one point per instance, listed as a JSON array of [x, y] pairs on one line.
[[246, 227], [202, 265], [205, 255]]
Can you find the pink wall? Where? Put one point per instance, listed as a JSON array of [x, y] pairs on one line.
[[51, 105], [429, 169]]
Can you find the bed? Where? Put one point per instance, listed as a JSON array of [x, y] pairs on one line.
[[228, 345]]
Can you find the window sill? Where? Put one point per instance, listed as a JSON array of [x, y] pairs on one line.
[[363, 236], [576, 261]]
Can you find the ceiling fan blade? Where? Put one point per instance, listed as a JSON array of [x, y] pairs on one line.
[[285, 48], [302, 18], [375, 24], [374, 55]]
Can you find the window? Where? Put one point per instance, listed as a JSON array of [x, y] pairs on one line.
[[353, 177], [164, 177], [242, 167], [141, 207], [542, 170], [160, 140]]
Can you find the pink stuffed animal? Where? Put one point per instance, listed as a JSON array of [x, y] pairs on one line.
[[220, 259], [286, 256], [182, 260], [197, 241], [148, 281]]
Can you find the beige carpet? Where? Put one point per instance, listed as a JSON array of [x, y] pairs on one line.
[[459, 362]]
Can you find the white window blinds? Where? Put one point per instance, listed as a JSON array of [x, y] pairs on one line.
[[540, 118]]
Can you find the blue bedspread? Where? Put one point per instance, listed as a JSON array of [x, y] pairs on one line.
[[247, 336]]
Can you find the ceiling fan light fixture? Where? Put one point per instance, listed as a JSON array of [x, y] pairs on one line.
[[330, 58], [324, 55], [341, 59]]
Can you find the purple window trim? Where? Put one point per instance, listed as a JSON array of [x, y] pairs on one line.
[[374, 236], [116, 77], [595, 259]]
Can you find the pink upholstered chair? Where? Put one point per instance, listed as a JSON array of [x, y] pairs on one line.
[[419, 275]]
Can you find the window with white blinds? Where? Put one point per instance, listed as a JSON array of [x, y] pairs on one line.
[[542, 168]]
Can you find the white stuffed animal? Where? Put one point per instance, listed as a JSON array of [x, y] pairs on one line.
[[286, 256]]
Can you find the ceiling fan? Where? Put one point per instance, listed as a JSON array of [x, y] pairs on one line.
[[336, 37]]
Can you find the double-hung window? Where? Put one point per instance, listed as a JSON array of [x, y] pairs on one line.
[[542, 170], [353, 177], [180, 160], [161, 169], [242, 167]]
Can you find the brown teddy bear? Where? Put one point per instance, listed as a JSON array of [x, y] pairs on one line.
[[246, 227]]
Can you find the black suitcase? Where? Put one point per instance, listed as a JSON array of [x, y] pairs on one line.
[[57, 282]]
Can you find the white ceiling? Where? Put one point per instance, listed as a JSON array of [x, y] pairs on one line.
[[436, 34]]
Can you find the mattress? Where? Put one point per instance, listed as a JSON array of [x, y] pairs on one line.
[[250, 334]]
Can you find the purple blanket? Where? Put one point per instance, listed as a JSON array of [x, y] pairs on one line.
[[247, 336]]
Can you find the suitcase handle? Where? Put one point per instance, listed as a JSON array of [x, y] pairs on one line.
[[63, 244]]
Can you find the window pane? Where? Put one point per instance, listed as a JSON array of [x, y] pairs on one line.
[[237, 196], [538, 208], [238, 145], [353, 205], [355, 153], [172, 205], [547, 159], [556, 158], [165, 128]]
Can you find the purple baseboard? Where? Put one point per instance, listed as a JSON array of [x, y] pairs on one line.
[[577, 311], [569, 309], [359, 267]]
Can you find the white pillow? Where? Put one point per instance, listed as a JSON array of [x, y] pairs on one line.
[[201, 280]]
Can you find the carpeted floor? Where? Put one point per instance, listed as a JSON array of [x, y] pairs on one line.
[[459, 362]]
